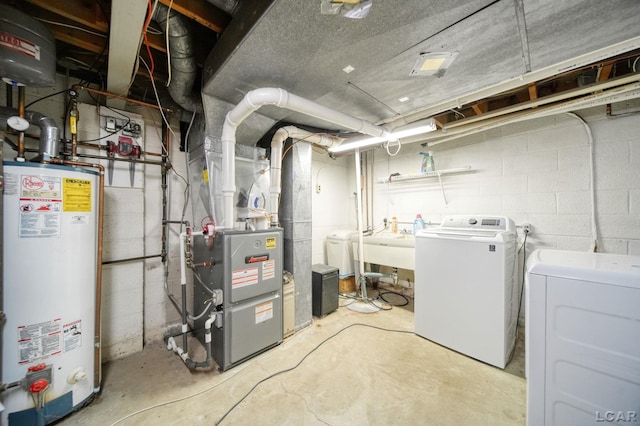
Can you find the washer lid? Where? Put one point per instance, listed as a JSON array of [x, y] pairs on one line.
[[614, 269]]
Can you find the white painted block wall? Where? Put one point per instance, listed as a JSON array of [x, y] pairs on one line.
[[535, 172], [135, 308], [333, 205]]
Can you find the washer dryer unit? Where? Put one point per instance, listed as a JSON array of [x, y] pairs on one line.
[[466, 295]]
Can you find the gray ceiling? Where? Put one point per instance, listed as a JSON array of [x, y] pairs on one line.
[[295, 47]]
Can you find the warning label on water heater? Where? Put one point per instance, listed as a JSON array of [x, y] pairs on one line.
[[39, 206], [72, 333], [36, 341], [77, 195]]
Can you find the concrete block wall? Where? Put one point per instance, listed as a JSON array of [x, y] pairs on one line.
[[535, 172], [135, 308]]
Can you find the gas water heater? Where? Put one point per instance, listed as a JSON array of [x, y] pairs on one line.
[[50, 255]]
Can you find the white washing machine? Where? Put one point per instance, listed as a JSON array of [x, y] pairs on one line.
[[466, 294], [582, 338]]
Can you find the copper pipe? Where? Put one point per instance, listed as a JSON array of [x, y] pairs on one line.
[[21, 114], [125, 160], [112, 95], [97, 344], [98, 146]]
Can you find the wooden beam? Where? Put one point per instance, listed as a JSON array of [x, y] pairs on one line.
[[480, 108], [605, 72], [86, 12], [202, 12], [81, 39], [533, 92]]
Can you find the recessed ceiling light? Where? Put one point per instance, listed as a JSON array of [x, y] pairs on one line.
[[348, 69], [404, 99], [433, 63]]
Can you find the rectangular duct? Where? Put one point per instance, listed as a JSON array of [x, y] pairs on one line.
[[295, 218]]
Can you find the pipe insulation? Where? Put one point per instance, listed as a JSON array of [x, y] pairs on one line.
[[49, 131], [183, 61], [257, 98], [277, 143]]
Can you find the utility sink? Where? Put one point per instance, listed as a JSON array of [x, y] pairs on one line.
[[387, 249]]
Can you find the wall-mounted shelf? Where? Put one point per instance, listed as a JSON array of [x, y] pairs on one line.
[[417, 176]]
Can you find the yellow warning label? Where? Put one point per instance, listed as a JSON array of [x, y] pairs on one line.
[[270, 243], [76, 195], [205, 176]]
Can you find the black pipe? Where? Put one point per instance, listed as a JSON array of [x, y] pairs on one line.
[[131, 259]]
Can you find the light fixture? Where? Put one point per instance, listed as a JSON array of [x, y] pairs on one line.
[[413, 129], [433, 63]]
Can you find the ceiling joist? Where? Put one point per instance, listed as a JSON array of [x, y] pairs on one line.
[[202, 12], [81, 11]]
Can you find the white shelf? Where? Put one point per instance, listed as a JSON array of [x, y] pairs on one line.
[[415, 176]]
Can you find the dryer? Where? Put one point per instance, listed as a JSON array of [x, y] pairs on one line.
[[466, 294], [582, 338]]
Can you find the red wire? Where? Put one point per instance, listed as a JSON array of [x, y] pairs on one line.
[[146, 41]]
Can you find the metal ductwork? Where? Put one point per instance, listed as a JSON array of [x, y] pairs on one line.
[[229, 6], [49, 131], [182, 55]]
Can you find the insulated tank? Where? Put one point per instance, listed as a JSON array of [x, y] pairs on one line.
[[50, 259], [27, 50]]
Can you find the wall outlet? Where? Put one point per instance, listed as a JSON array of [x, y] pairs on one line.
[[527, 228], [318, 188]]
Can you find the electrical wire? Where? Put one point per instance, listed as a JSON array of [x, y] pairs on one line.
[[388, 143], [203, 313], [155, 91], [110, 134], [61, 24], [286, 370], [166, 35], [45, 97], [144, 36]]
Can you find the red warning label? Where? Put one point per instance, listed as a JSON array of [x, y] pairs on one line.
[[18, 44], [244, 277]]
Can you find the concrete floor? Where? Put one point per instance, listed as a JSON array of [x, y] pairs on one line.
[[362, 376]]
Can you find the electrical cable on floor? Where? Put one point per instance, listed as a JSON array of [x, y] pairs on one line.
[[241, 369], [286, 370]]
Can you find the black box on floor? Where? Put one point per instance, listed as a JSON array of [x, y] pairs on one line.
[[324, 293]]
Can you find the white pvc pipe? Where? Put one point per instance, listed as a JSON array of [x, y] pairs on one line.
[[277, 142], [630, 91], [281, 98], [363, 280]]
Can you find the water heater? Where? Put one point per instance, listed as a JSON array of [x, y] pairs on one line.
[[50, 259]]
